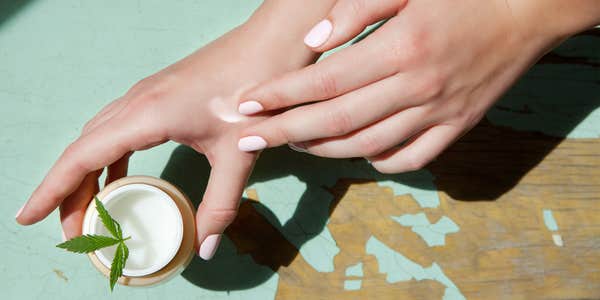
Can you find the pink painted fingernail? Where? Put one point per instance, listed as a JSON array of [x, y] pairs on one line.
[[209, 246], [250, 108], [19, 212], [319, 34], [64, 237], [252, 143]]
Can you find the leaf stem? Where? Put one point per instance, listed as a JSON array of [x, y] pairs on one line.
[[127, 238]]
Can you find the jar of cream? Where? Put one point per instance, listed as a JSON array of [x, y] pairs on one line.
[[157, 216]]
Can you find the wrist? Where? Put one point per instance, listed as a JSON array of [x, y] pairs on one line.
[[556, 20], [279, 26]]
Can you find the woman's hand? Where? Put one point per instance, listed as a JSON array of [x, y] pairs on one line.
[[193, 102], [420, 81]]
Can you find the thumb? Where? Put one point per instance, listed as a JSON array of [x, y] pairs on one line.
[[221, 199], [347, 19]]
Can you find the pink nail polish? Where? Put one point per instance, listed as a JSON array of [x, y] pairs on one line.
[[19, 212], [250, 108], [209, 246], [64, 237], [252, 143], [319, 34]]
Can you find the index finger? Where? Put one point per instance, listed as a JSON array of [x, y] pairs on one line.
[[93, 151], [342, 72]]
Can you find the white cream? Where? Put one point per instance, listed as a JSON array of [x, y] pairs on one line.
[[152, 220], [224, 111]]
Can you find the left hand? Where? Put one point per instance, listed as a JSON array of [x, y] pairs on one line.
[[423, 79], [192, 102]]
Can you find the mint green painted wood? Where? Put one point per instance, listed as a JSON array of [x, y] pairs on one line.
[[60, 62]]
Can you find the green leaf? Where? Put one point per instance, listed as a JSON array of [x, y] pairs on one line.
[[88, 243], [118, 263], [125, 254], [111, 225]]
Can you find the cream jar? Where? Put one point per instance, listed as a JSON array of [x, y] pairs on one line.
[[157, 216]]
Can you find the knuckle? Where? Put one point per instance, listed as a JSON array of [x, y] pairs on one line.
[[87, 126], [384, 168], [466, 117], [71, 156], [147, 131], [415, 164], [224, 216], [408, 163], [432, 86], [325, 84], [274, 99], [408, 50], [150, 90], [149, 96], [395, 55], [356, 8], [339, 122], [370, 145], [282, 133], [411, 161], [140, 86]]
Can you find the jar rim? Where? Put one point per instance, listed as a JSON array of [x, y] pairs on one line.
[[91, 221]]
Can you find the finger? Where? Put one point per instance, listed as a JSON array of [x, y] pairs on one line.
[[221, 199], [105, 114], [419, 152], [374, 139], [118, 169], [72, 209], [342, 72], [341, 115], [347, 19], [90, 152]]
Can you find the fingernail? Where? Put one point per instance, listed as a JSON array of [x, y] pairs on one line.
[[19, 212], [319, 34], [298, 147], [250, 108], [64, 237], [209, 246], [252, 143]]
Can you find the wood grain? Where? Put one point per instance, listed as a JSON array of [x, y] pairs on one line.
[[494, 184]]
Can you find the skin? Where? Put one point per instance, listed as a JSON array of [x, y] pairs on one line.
[[420, 81], [192, 102]]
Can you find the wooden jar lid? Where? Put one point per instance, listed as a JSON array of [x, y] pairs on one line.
[[186, 250]]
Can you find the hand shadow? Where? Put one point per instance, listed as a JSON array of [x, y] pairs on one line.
[[545, 105], [257, 231], [9, 8], [483, 165]]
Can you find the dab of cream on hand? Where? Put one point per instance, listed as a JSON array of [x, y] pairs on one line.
[[150, 218], [224, 111]]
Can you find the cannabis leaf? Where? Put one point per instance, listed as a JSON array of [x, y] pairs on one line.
[[92, 242], [88, 243], [111, 225], [118, 263]]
